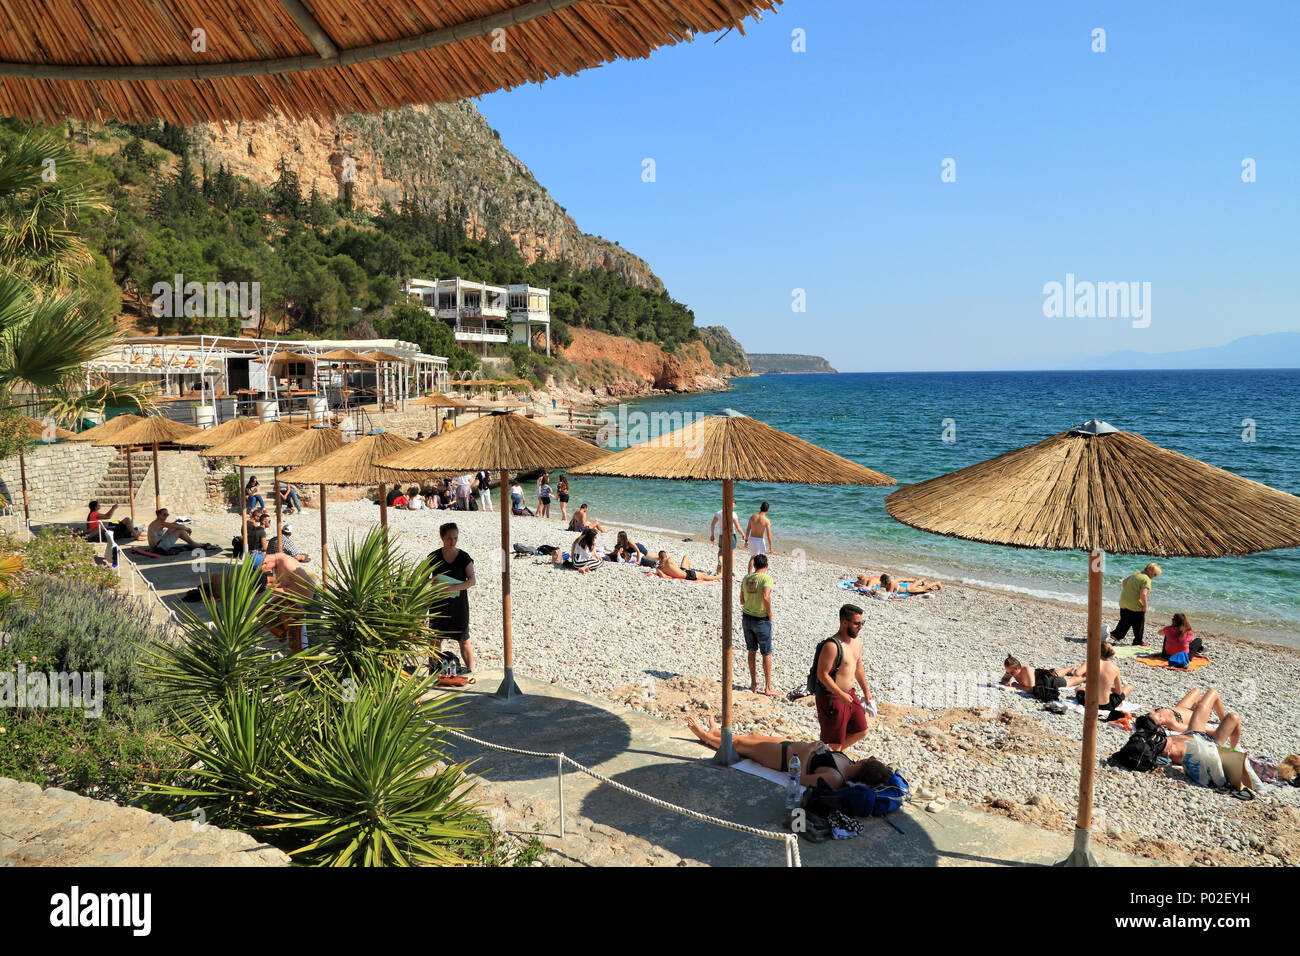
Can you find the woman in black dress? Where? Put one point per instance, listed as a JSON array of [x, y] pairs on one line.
[[449, 617]]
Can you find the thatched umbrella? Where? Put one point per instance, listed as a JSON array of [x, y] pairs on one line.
[[1097, 489], [110, 60], [500, 443], [255, 440], [314, 443], [730, 448], [149, 431], [110, 427], [356, 463], [439, 400], [345, 357], [381, 357], [208, 437]]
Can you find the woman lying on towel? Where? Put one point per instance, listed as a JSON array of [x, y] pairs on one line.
[[1191, 717], [668, 568], [816, 761], [891, 585]]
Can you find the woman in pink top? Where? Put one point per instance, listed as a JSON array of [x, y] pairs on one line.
[[1179, 638]]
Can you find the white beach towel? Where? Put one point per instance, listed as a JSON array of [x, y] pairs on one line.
[[758, 770]]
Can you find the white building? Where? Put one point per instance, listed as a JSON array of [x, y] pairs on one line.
[[481, 315]]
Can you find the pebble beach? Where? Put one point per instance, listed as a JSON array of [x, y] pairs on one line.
[[932, 662]]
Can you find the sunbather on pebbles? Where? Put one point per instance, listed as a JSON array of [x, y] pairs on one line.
[[817, 762], [1191, 717], [891, 585], [668, 568]]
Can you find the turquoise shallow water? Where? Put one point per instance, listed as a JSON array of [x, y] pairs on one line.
[[896, 423]]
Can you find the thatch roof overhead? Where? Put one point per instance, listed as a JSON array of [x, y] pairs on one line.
[[438, 400], [305, 447], [110, 427], [133, 60], [37, 431], [155, 428], [736, 448], [356, 463], [286, 357], [496, 443], [207, 437], [263, 437], [381, 356], [345, 355], [1110, 490]]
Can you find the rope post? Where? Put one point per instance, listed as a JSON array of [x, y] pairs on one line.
[[559, 780]]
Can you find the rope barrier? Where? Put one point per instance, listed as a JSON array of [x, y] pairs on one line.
[[790, 840]]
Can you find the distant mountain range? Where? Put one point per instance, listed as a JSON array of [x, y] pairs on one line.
[[1273, 350]]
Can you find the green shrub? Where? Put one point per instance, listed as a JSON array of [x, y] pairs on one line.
[[69, 624], [63, 553]]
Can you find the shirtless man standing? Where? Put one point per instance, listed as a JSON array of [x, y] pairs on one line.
[[758, 535], [668, 568], [841, 714]]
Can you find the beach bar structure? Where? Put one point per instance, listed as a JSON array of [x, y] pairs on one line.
[[481, 315], [227, 375]]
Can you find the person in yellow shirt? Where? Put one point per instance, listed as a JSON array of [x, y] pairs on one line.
[[756, 622], [447, 425], [1133, 604]]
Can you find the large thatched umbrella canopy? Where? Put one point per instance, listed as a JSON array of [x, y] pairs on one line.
[[149, 431], [262, 438], [730, 448], [1097, 489], [138, 60], [502, 443], [46, 432], [357, 463], [438, 400], [110, 427], [208, 437], [308, 446]]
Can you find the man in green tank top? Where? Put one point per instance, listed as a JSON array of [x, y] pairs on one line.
[[756, 621], [1133, 604]]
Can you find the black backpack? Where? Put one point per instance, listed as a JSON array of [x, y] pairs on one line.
[[237, 546], [1142, 750], [815, 685], [1043, 692]]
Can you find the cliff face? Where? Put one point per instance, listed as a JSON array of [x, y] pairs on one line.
[[622, 367], [428, 155]]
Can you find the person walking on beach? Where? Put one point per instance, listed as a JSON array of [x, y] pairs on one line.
[[721, 534], [837, 664], [544, 496], [449, 618], [484, 491], [758, 535], [756, 622], [1133, 604], [562, 492]]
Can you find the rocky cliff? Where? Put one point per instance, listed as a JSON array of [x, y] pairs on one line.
[[428, 155], [616, 366]]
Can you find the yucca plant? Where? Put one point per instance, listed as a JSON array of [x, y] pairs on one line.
[[228, 657], [374, 607], [363, 788], [237, 748]]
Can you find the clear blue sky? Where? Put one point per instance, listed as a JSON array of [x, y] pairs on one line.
[[820, 170]]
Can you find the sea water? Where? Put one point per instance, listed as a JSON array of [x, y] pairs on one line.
[[918, 425]]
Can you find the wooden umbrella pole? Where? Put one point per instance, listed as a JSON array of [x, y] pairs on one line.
[[322, 535], [22, 473], [1082, 854], [726, 754], [275, 490], [130, 485], [383, 505], [243, 509], [157, 495], [508, 686]]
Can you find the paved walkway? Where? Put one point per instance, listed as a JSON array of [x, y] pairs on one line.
[[606, 826]]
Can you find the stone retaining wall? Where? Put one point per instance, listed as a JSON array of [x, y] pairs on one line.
[[59, 828], [58, 477]]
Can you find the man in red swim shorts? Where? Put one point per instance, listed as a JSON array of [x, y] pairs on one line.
[[837, 664]]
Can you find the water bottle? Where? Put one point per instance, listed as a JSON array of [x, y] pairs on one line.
[[792, 789]]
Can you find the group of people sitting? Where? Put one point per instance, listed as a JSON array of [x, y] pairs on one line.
[[263, 540], [285, 491], [161, 535], [461, 493]]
